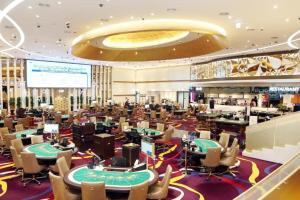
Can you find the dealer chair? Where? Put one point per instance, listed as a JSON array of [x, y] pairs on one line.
[[63, 162], [18, 145], [224, 140], [211, 161], [230, 161], [139, 192], [60, 190], [31, 167], [37, 139], [160, 189], [92, 190]]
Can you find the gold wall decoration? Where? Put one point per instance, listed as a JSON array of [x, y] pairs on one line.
[[269, 65]]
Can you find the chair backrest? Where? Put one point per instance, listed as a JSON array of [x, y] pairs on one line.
[[93, 191], [19, 127], [58, 187], [40, 125], [231, 160], [62, 166], [8, 138], [234, 143], [163, 114], [30, 163], [8, 122], [205, 135], [153, 114], [224, 140], [16, 159], [3, 131], [67, 155], [36, 139], [144, 124], [124, 125], [160, 127], [18, 145], [57, 119], [212, 158], [122, 119], [139, 192], [166, 182], [168, 134]]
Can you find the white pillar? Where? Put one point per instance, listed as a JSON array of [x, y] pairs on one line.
[[15, 82], [8, 86]]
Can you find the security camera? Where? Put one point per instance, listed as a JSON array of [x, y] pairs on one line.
[[68, 24]]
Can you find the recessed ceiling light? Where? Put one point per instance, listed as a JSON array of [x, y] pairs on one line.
[[136, 53], [29, 7], [287, 19], [275, 6], [59, 3], [238, 25], [248, 41], [132, 17], [111, 17], [37, 16], [174, 49], [229, 17], [152, 14]]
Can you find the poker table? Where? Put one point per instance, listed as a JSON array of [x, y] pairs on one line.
[[2, 123], [27, 132], [115, 181], [46, 151], [150, 132], [203, 145]]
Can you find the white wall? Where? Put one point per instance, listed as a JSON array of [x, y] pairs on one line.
[[120, 90], [164, 82]]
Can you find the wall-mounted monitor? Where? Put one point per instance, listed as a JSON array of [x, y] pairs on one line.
[[44, 74]]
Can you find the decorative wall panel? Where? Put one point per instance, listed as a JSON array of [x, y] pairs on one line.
[[271, 65]]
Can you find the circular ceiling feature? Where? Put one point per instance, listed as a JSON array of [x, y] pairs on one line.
[[152, 39], [143, 39]]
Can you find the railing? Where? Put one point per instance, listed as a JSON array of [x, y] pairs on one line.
[[283, 183], [278, 132]]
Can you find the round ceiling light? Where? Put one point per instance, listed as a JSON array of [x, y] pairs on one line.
[[153, 39], [143, 39]]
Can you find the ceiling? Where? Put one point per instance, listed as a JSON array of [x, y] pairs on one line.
[[50, 26]]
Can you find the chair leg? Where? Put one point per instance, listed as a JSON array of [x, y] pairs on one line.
[[34, 178]]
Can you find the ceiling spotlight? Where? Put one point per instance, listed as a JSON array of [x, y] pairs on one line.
[[29, 7], [152, 14], [287, 19], [174, 49], [37, 16], [136, 53], [101, 52], [111, 17], [59, 3], [132, 17], [275, 6], [238, 25], [229, 17]]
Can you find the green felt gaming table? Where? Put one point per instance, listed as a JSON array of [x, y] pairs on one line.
[[150, 132], [27, 132], [120, 180], [43, 151], [203, 145]]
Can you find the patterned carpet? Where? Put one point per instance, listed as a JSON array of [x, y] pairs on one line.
[[186, 187]]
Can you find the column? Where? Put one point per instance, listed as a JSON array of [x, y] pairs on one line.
[[8, 86]]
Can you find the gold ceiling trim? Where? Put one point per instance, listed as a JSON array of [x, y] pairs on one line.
[[210, 38]]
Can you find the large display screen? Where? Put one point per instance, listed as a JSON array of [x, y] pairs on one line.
[[43, 74]]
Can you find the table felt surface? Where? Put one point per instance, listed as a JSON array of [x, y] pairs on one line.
[[204, 144], [43, 150], [111, 178], [141, 131], [27, 132]]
